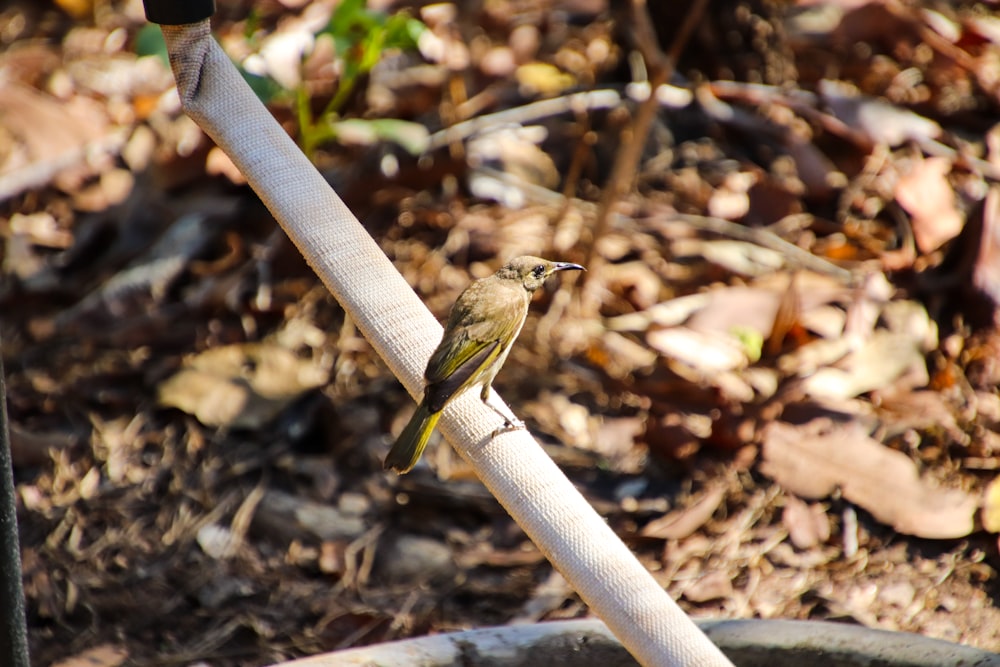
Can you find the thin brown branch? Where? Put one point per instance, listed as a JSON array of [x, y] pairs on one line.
[[660, 68]]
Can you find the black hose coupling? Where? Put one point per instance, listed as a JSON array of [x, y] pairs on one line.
[[178, 12]]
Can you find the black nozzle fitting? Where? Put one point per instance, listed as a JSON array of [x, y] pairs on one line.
[[178, 12]]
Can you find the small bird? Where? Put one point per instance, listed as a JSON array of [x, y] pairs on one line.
[[483, 324]]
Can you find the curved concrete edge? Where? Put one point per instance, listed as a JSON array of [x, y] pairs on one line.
[[473, 647], [756, 639], [748, 643]]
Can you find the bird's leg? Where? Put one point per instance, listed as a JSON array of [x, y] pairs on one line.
[[510, 423]]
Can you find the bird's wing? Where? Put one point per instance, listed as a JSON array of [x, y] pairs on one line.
[[454, 367], [480, 328]]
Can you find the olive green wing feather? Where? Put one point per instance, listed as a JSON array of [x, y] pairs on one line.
[[453, 374], [473, 341]]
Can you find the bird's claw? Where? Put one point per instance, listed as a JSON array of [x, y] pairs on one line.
[[508, 426]]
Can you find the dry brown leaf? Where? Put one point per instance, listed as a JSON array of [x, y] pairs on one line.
[[105, 655], [740, 257], [817, 172], [737, 307], [805, 360], [714, 585], [922, 411], [219, 164], [885, 359], [986, 271], [44, 137], [808, 525], [240, 386], [547, 597], [987, 27], [925, 193], [668, 313], [991, 506], [673, 437], [705, 352], [570, 422], [724, 309], [41, 229], [729, 201], [817, 458], [281, 53], [616, 435], [44, 127], [22, 258], [112, 187], [516, 152], [619, 356], [880, 121], [286, 517], [678, 524], [634, 281]]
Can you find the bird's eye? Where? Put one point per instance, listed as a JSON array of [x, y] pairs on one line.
[[538, 271]]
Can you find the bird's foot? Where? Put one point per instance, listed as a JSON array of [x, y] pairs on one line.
[[508, 426], [510, 423]]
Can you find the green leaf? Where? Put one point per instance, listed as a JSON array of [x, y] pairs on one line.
[[149, 42], [264, 87], [411, 137], [348, 24], [403, 31], [361, 37], [751, 340]]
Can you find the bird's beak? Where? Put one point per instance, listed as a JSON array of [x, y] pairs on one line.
[[565, 266]]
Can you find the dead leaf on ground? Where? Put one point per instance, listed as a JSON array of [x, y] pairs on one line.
[[807, 524], [817, 458], [616, 436], [704, 352], [878, 120], [743, 307], [925, 193], [147, 279], [41, 229], [105, 655], [986, 271], [668, 313], [921, 410], [619, 356], [543, 78], [740, 257], [635, 282], [730, 201], [678, 524], [286, 517], [516, 151], [991, 506], [548, 596], [886, 359], [44, 137], [724, 309], [241, 386], [713, 585], [571, 422], [44, 127]]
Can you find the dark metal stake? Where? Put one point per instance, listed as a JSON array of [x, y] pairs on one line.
[[13, 626]]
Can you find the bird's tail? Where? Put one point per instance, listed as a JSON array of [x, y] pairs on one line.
[[411, 442]]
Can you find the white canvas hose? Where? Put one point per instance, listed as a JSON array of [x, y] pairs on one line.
[[401, 329]]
